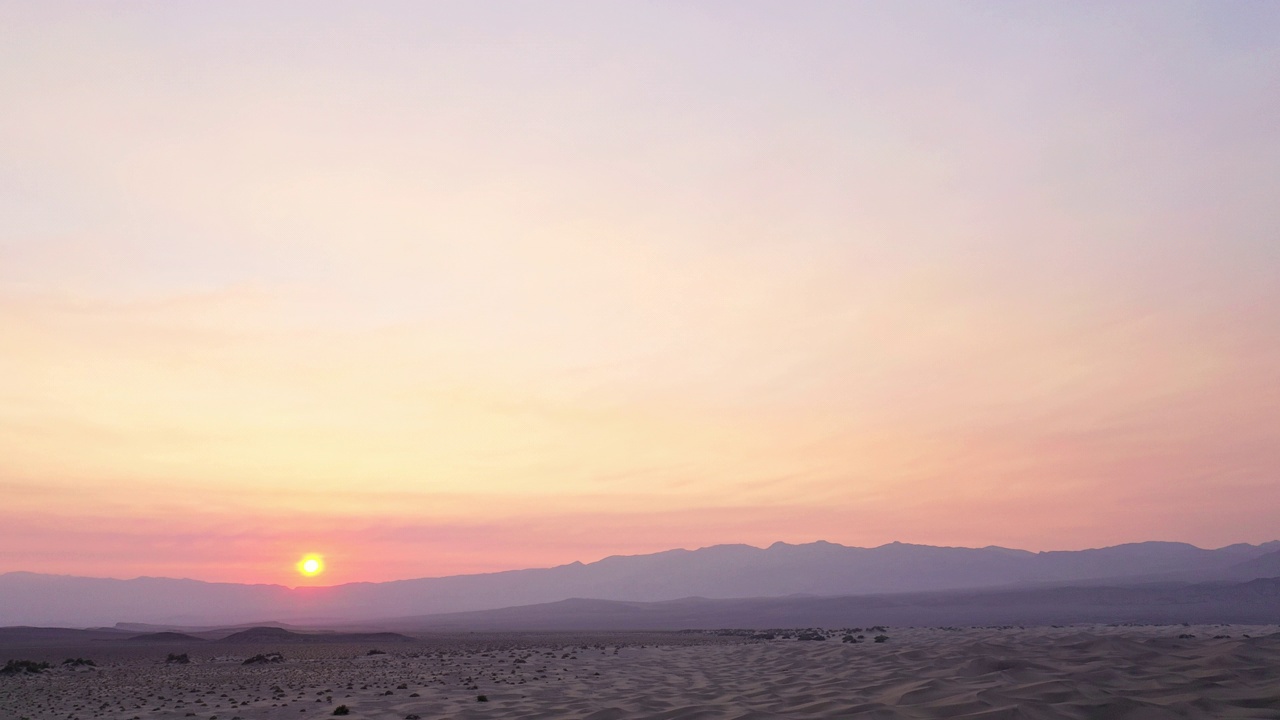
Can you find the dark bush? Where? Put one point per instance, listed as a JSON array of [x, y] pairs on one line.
[[267, 658], [78, 662], [482, 698], [342, 710], [178, 659], [882, 638], [14, 667]]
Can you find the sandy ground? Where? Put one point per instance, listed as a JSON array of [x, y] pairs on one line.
[[1141, 673]]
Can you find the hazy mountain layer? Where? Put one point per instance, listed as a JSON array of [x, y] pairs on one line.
[[1255, 602], [722, 571]]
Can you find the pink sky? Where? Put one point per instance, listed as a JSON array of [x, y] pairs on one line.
[[435, 288]]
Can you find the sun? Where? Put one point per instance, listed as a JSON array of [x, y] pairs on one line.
[[311, 565]]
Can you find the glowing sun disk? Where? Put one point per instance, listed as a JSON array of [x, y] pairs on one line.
[[311, 565]]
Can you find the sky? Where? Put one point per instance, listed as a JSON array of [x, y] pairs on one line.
[[429, 288]]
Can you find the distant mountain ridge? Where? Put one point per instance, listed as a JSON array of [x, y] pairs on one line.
[[1256, 602], [717, 572]]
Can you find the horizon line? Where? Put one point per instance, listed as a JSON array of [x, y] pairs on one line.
[[659, 552]]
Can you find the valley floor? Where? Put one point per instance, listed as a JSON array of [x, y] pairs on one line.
[[1094, 672]]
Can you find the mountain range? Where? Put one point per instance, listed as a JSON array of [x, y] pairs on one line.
[[1255, 602], [721, 572]]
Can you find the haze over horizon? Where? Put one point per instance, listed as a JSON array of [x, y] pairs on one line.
[[437, 288], [305, 582]]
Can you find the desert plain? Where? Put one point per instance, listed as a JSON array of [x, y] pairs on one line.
[[1077, 672]]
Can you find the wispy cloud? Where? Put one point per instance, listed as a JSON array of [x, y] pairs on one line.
[[535, 285]]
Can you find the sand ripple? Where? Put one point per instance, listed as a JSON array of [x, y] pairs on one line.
[[1098, 673]]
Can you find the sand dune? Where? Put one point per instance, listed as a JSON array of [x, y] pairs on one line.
[[1094, 673], [282, 636]]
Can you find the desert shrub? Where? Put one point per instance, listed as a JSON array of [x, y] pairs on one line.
[[849, 639], [78, 662], [178, 659], [15, 667], [342, 710], [882, 638], [482, 698], [375, 651], [262, 659]]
